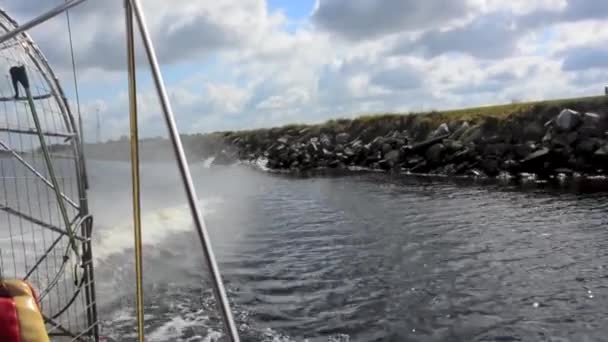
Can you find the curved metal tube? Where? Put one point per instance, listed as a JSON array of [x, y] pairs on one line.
[[40, 19]]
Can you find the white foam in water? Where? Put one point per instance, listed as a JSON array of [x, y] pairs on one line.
[[213, 336], [261, 163], [158, 225], [207, 162], [173, 330]]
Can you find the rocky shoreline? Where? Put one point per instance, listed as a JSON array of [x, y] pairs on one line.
[[545, 140]]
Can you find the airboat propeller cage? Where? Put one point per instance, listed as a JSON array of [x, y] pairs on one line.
[[45, 226], [63, 160]]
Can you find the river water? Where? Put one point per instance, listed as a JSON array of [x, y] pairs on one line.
[[355, 257]]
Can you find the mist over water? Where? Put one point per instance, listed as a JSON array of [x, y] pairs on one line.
[[359, 257]]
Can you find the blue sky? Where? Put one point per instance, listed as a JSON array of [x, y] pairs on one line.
[[241, 64], [294, 9]]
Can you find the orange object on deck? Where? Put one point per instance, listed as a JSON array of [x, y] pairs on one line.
[[20, 317]]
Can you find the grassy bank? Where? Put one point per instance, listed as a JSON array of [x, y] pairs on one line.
[[473, 114], [425, 121]]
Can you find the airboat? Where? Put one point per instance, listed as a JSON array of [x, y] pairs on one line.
[[47, 277]]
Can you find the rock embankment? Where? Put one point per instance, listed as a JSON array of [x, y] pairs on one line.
[[544, 139]]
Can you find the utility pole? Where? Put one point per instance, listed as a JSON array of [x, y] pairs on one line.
[[98, 127]]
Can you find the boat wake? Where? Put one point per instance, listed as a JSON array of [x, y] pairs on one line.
[[156, 224], [179, 303]]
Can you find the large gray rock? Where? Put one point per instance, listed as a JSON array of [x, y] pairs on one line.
[[591, 126], [342, 138], [591, 118], [460, 131], [422, 146], [377, 143], [453, 145], [472, 134], [402, 136], [390, 160], [283, 140], [464, 154], [392, 156], [443, 129], [434, 153], [325, 140], [567, 120], [386, 148], [454, 125]]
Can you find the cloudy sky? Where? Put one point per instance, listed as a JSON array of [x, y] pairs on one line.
[[238, 64]]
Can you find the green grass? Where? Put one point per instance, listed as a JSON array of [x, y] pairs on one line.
[[435, 118], [502, 111], [474, 114]]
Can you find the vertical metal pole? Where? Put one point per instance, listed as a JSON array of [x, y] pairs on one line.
[[135, 168], [199, 224]]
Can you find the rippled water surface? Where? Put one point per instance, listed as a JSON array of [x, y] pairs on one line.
[[359, 257]]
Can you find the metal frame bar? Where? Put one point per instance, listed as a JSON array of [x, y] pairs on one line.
[[63, 331], [22, 98], [49, 164], [40, 19], [77, 222], [56, 325], [8, 46], [199, 223], [44, 256], [38, 222], [32, 131], [36, 173]]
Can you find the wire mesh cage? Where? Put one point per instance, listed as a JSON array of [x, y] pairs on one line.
[[45, 228]]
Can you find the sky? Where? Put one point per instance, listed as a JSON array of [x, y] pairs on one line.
[[243, 64]]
